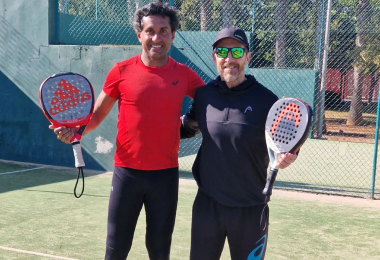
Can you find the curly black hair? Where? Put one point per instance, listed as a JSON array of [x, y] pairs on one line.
[[156, 8]]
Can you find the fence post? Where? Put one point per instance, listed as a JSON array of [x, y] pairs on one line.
[[376, 146], [322, 89], [96, 9], [171, 47], [318, 67], [250, 65], [66, 6], [56, 35]]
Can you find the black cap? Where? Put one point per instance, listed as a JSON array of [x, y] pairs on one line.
[[234, 33]]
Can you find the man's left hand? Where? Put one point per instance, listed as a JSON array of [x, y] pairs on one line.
[[285, 160]]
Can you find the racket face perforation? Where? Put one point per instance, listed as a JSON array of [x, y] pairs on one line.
[[67, 99], [287, 118]]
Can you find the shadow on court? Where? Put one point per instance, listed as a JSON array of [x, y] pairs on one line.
[[314, 188], [15, 176], [303, 187]]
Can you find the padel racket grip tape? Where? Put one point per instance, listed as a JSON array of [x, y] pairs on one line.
[[77, 148], [270, 182]]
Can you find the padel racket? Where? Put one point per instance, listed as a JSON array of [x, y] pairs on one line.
[[67, 99], [287, 127]]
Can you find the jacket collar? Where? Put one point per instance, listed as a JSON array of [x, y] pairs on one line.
[[239, 89]]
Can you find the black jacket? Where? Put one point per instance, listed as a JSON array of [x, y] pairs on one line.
[[231, 164]]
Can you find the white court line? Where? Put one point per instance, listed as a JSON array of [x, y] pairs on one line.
[[35, 253], [21, 170]]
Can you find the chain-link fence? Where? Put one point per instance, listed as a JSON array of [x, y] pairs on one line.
[[324, 51]]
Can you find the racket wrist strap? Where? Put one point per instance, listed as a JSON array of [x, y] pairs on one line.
[[80, 174]]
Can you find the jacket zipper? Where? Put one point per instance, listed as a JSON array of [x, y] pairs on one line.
[[226, 114]]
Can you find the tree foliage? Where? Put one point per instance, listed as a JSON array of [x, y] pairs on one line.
[[291, 25]]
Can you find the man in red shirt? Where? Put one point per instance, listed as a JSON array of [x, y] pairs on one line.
[[149, 88]]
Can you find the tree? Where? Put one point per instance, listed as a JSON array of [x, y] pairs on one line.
[[227, 13], [206, 15], [281, 28], [190, 17], [133, 5], [363, 15]]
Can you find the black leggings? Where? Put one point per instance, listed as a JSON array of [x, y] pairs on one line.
[[131, 189], [246, 229]]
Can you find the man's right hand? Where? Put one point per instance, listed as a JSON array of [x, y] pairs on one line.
[[103, 106], [64, 133]]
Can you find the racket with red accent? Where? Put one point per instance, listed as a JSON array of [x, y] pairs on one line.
[[67, 99], [287, 127]]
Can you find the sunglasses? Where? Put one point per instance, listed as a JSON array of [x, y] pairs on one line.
[[236, 52]]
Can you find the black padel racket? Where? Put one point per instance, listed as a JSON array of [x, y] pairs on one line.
[[287, 127], [67, 99]]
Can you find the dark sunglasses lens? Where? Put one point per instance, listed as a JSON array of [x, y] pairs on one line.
[[222, 52], [237, 52]]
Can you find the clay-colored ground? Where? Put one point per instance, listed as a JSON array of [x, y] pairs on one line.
[[337, 130]]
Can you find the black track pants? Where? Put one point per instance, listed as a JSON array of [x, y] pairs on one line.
[[131, 189], [246, 229]]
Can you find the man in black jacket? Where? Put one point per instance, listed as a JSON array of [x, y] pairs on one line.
[[231, 164]]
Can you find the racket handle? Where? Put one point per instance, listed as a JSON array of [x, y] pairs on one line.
[[270, 182], [77, 148], [78, 135]]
